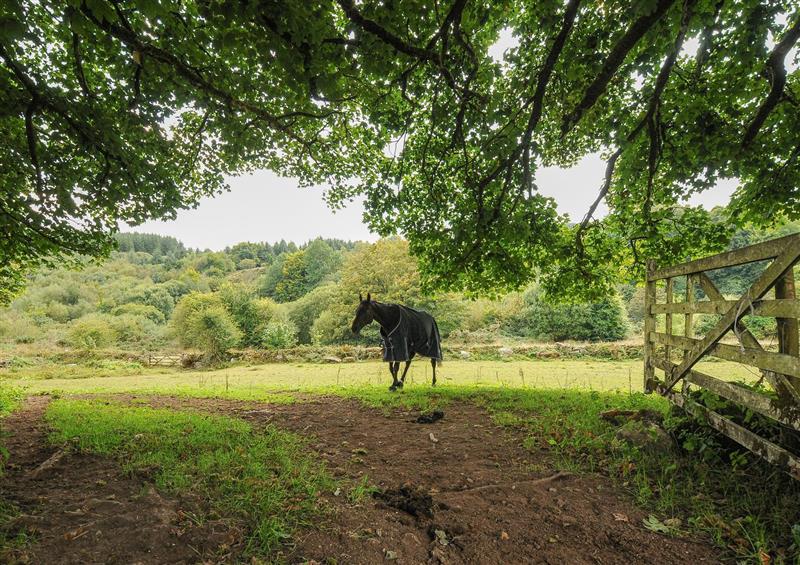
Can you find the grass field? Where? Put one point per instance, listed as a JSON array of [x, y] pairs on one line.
[[745, 506], [254, 382]]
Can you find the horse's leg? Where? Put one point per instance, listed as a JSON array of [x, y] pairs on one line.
[[403, 378], [394, 367], [433, 366]]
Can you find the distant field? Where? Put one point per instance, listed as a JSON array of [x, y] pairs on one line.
[[255, 381]]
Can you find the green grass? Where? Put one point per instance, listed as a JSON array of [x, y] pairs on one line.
[[257, 382], [10, 397], [263, 477], [745, 505], [27, 368]]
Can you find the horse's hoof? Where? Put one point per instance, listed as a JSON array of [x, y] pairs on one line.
[[392, 388], [399, 385]]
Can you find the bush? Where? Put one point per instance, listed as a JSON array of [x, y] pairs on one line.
[[213, 331], [760, 326], [93, 331], [600, 321], [450, 313], [305, 311], [135, 330], [185, 310], [251, 315], [18, 328], [141, 310], [279, 334]]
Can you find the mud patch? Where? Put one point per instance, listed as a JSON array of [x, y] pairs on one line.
[[408, 499], [430, 417]]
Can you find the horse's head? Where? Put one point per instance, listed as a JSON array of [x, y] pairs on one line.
[[364, 314]]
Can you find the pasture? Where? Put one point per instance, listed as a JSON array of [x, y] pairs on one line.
[[293, 463]]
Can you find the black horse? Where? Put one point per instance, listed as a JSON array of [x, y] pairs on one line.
[[405, 332]]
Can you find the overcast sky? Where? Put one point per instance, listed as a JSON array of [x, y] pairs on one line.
[[266, 207]]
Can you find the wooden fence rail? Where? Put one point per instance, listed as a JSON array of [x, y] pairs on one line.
[[780, 369]]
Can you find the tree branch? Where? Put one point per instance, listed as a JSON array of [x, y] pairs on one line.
[[427, 54], [705, 42], [654, 109], [610, 166], [543, 79], [372, 27], [78, 60], [625, 45], [776, 71], [137, 83], [30, 134], [522, 150]]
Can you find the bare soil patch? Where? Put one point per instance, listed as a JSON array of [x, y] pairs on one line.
[[458, 490], [80, 508]]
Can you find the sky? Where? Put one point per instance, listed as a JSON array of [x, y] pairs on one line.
[[266, 207]]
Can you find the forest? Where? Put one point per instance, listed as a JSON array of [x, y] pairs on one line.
[[154, 294]]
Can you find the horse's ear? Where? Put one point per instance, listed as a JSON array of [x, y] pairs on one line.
[[360, 298], [368, 297]]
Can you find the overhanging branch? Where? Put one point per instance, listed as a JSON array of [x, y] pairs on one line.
[[776, 71], [619, 52]]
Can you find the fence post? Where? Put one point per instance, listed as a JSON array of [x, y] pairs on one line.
[[787, 327], [649, 326], [788, 344], [688, 321], [668, 322]]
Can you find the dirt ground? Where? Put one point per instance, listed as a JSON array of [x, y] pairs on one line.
[[459, 490]]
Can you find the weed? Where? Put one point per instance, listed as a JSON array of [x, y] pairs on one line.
[[361, 491]]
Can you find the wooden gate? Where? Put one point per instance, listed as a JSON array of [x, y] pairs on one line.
[[677, 355]]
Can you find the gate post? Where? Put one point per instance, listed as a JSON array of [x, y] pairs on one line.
[[649, 326], [787, 327]]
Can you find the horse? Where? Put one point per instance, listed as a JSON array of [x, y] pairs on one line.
[[405, 332]]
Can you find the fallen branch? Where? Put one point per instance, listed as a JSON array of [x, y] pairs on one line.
[[536, 482], [49, 463]]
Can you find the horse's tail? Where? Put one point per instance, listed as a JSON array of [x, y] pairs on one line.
[[438, 339]]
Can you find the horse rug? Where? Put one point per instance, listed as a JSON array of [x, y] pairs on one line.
[[416, 333]]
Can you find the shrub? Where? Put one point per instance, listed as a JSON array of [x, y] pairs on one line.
[[305, 311], [186, 308], [604, 320], [279, 334], [93, 331], [213, 331], [250, 314], [18, 328], [450, 313], [142, 310], [333, 327], [134, 330], [760, 326]]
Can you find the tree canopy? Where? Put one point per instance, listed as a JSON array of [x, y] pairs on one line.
[[124, 110]]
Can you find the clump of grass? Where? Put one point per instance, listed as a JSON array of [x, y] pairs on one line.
[[361, 491], [263, 477], [10, 397]]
